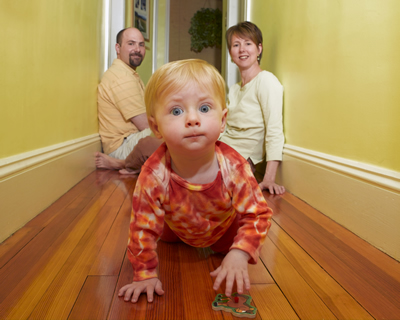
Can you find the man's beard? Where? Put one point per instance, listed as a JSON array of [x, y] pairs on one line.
[[132, 61]]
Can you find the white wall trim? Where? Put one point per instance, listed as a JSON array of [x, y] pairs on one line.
[[25, 161], [372, 174], [116, 24], [154, 37], [166, 36], [232, 74]]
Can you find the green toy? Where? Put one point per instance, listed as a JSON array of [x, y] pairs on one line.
[[238, 304]]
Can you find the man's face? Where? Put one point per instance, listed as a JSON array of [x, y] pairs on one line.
[[132, 49]]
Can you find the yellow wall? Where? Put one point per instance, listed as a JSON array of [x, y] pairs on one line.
[[49, 72], [339, 63]]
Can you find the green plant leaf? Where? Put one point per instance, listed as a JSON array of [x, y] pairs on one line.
[[206, 29]]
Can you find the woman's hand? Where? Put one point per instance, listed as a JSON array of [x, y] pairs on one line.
[[272, 187], [268, 182]]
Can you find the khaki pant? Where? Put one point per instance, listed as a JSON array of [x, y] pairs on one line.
[[129, 143]]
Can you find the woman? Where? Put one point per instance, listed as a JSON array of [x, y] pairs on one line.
[[254, 122]]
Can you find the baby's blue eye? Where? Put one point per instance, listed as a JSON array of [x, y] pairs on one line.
[[176, 111], [204, 108]]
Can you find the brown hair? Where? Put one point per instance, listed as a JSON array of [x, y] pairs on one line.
[[119, 36], [247, 30]]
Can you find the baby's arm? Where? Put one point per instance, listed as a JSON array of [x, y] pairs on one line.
[[233, 268], [133, 290]]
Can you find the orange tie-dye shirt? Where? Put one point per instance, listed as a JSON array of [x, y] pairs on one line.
[[198, 214]]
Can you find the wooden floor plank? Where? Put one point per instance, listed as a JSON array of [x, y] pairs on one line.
[[45, 263], [89, 186], [122, 310], [41, 249], [68, 205], [306, 268], [303, 299], [198, 293], [374, 255], [95, 298], [61, 295], [10, 247], [271, 303], [342, 305], [170, 305], [111, 255], [377, 291]]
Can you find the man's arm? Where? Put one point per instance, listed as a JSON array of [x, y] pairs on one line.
[[140, 121]]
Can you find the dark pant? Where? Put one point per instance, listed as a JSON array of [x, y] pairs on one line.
[[222, 245]]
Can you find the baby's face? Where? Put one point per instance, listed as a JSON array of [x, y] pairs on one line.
[[189, 120]]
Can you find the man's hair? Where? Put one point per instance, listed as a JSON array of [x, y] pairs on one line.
[[120, 35], [175, 75], [246, 30]]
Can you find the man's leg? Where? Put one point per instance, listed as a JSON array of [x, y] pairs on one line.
[[116, 159], [140, 153], [104, 161]]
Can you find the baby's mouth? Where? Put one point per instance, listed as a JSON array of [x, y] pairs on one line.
[[194, 135]]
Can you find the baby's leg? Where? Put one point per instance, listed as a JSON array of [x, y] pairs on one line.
[[168, 235], [225, 242]]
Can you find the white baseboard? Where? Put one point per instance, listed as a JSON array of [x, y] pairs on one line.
[[364, 199], [31, 181]]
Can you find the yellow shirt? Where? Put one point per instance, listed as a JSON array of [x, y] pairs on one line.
[[254, 122], [120, 97]]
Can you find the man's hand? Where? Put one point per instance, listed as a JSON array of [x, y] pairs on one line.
[[233, 268], [132, 291]]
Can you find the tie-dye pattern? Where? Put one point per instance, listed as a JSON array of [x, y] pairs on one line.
[[198, 214]]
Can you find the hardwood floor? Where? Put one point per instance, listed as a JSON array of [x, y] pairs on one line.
[[70, 261]]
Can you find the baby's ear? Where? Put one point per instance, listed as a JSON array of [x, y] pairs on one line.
[[223, 122], [154, 127]]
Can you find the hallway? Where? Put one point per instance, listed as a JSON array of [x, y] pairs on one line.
[[69, 262]]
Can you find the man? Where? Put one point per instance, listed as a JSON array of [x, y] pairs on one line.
[[121, 108]]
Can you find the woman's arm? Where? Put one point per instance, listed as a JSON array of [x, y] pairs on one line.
[[271, 100], [268, 182]]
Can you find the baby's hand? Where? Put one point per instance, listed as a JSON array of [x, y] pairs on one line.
[[233, 267], [132, 291]]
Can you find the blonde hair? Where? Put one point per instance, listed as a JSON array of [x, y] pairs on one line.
[[175, 75]]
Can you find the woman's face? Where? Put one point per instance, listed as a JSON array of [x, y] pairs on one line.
[[244, 52]]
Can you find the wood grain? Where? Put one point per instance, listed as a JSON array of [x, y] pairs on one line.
[[271, 303], [70, 262], [120, 309], [109, 259], [60, 296], [338, 300], [303, 299], [171, 304], [197, 284], [375, 290], [94, 300]]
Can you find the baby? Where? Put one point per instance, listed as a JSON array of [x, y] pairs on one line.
[[193, 188]]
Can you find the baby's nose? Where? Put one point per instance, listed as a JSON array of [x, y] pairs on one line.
[[192, 119]]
